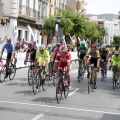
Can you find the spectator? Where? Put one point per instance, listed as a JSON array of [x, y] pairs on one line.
[[1, 41], [69, 48], [17, 46], [74, 49]]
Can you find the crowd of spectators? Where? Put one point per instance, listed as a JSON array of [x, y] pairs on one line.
[[20, 45]]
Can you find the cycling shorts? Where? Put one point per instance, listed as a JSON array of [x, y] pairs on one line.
[[93, 61]]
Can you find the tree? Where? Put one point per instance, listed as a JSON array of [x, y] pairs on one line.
[[116, 40]]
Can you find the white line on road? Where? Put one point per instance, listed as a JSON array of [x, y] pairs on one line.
[[37, 117], [66, 108], [73, 92]]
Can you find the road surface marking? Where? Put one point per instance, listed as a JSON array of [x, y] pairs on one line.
[[73, 92], [66, 108], [37, 117]]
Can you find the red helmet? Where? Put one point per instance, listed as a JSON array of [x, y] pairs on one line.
[[63, 48], [30, 44], [93, 46]]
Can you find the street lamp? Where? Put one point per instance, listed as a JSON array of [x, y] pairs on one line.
[[57, 27]]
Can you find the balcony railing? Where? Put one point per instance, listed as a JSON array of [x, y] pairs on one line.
[[29, 12]]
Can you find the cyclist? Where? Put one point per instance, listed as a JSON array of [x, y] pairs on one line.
[[43, 57], [104, 54], [94, 59], [56, 50], [31, 52], [62, 61], [10, 52], [116, 62], [82, 49]]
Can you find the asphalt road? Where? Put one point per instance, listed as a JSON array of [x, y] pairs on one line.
[[17, 102]]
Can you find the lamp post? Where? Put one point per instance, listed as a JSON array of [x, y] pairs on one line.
[[57, 27]]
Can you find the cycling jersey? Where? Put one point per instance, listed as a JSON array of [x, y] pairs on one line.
[[116, 60], [82, 51], [93, 55], [63, 60], [43, 57], [9, 48], [32, 53]]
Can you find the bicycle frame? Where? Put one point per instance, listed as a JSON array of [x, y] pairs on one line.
[[91, 79]]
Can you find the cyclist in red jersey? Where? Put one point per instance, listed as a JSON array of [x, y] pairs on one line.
[[63, 61]]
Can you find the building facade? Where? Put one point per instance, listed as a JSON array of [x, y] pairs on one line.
[[112, 28], [18, 14]]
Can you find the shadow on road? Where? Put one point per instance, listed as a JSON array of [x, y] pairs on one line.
[[45, 100], [25, 92]]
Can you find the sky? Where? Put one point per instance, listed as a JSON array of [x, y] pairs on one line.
[[102, 6]]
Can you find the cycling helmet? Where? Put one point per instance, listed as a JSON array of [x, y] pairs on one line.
[[116, 52], [82, 44], [93, 46], [63, 48], [116, 46], [30, 44], [42, 47], [8, 39], [49, 45]]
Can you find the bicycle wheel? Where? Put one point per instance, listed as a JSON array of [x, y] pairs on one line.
[[88, 85], [66, 89], [45, 82], [29, 76], [54, 80], [102, 74], [59, 90], [12, 72], [2, 73], [114, 80], [36, 83]]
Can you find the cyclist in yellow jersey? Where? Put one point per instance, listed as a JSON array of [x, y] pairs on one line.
[[116, 62], [94, 59], [42, 56]]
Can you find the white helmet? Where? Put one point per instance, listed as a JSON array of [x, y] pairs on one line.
[[42, 47], [117, 52], [49, 45]]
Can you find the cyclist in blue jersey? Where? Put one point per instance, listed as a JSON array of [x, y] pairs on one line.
[[10, 51]]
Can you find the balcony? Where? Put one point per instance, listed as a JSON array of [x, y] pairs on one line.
[[28, 12]]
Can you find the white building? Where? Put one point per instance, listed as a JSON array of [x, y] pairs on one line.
[[19, 14], [112, 28]]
